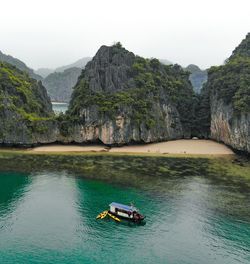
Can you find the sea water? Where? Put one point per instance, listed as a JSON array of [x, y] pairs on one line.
[[59, 107], [50, 217]]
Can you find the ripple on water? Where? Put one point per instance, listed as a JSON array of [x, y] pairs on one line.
[[50, 218]]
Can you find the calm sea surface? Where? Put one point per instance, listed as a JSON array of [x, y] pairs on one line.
[[49, 217], [59, 107]]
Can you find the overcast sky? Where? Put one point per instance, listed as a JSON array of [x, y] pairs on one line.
[[51, 33]]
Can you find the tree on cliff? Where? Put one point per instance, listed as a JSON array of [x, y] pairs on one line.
[[155, 100]]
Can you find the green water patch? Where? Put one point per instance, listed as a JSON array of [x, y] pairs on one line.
[[130, 169], [230, 176], [50, 218], [197, 208]]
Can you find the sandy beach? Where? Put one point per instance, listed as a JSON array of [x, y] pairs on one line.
[[70, 148], [182, 146]]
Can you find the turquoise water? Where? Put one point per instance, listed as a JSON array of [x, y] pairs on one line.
[[59, 107], [48, 217]]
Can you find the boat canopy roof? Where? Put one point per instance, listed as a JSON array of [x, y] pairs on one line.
[[123, 206]]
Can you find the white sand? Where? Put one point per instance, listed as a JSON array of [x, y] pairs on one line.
[[183, 146], [69, 148]]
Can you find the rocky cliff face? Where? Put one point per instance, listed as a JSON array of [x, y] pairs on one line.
[[25, 109], [122, 129], [59, 84], [229, 91], [121, 98], [228, 126]]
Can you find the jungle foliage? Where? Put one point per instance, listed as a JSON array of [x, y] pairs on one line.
[[23, 98], [150, 80]]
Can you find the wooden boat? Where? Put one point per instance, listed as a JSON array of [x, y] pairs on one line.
[[126, 212]]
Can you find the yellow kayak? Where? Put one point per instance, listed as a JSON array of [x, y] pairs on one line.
[[115, 218], [102, 215]]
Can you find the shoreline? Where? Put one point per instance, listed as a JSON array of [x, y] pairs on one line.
[[184, 147]]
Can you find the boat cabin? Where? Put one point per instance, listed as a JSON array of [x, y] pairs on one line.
[[125, 211]]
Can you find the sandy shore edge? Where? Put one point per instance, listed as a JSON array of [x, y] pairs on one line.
[[182, 146]]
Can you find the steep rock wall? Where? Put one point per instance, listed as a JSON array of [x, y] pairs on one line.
[[122, 130], [121, 98], [26, 116], [228, 126]]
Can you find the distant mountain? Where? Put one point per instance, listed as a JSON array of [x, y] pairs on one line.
[[20, 65], [166, 62], [78, 64], [193, 68], [59, 81], [59, 84], [44, 72], [197, 77]]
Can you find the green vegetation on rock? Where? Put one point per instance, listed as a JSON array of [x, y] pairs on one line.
[[22, 94], [202, 119], [243, 50], [231, 82], [20, 65], [226, 100], [149, 82], [24, 106]]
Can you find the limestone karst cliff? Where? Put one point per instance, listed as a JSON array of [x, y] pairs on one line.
[[121, 98], [25, 109], [229, 94]]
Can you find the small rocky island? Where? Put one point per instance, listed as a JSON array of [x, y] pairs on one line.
[[121, 98]]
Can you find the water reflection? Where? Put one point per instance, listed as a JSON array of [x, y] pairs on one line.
[[11, 191], [46, 210], [59, 107], [52, 220]]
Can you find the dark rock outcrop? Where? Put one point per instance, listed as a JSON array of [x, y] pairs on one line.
[[26, 116], [121, 98]]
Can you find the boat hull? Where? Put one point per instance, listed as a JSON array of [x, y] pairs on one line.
[[128, 218]]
